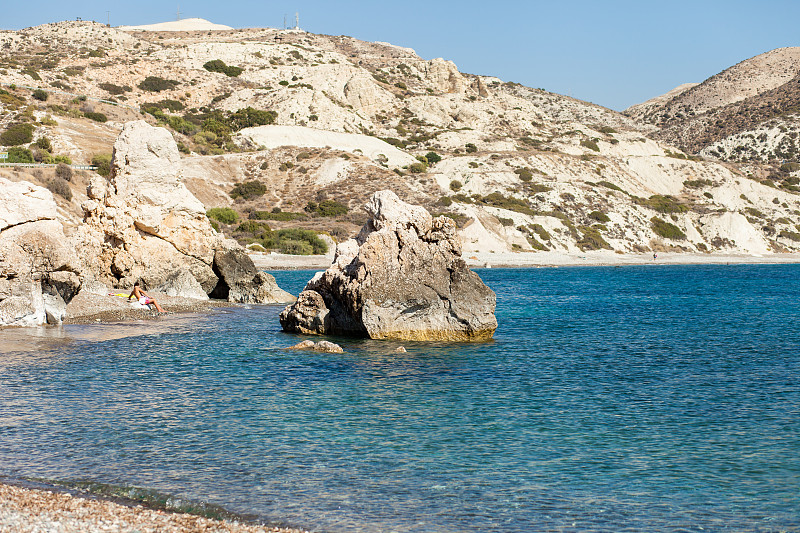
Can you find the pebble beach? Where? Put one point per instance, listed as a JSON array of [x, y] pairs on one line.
[[27, 510]]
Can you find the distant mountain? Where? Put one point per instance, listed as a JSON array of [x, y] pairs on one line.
[[747, 112]]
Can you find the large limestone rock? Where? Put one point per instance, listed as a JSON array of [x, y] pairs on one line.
[[402, 277], [34, 254], [144, 224]]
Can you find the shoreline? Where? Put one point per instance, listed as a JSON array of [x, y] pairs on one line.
[[29, 506], [545, 259]]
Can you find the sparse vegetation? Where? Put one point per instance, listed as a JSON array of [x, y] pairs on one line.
[[665, 229], [156, 84], [97, 117], [103, 164], [248, 190], [60, 187], [326, 208], [591, 144], [217, 65], [64, 172], [599, 216], [226, 215], [17, 134], [662, 204]]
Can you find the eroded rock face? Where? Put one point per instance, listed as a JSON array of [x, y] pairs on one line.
[[34, 254], [402, 277], [144, 224], [239, 280]]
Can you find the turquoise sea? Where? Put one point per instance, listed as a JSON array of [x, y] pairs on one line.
[[649, 398]]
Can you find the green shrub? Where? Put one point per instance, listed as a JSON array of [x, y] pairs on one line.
[[455, 185], [97, 117], [249, 117], [791, 235], [496, 199], [113, 89], [524, 174], [44, 143], [663, 204], [609, 185], [606, 129], [295, 247], [40, 95], [326, 208], [445, 201], [541, 232], [63, 159], [154, 84], [592, 239], [167, 103], [433, 158], [591, 144], [103, 164], [17, 134], [296, 241], [667, 230], [470, 148], [506, 221], [697, 184], [285, 216], [248, 190], [64, 172], [417, 168], [17, 154], [599, 216], [60, 187], [217, 65], [258, 230], [226, 215]]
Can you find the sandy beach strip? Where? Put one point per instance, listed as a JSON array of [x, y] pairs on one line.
[[28, 510], [544, 259]]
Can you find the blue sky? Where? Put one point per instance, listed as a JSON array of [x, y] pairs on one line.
[[612, 53]]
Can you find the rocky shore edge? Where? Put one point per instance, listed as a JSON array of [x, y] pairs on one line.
[[33, 510]]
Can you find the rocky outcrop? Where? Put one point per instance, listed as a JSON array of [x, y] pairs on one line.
[[36, 264], [444, 76], [240, 281], [402, 277], [143, 224]]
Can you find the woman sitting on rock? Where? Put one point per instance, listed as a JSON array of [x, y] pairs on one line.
[[143, 297]]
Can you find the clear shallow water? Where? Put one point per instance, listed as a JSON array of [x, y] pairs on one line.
[[612, 399]]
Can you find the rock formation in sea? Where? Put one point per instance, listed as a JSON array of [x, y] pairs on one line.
[[38, 269], [144, 224], [402, 277]]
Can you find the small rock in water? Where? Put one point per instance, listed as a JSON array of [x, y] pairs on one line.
[[328, 347], [321, 346], [304, 345], [401, 349]]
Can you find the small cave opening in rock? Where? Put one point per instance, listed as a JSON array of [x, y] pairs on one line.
[[221, 290]]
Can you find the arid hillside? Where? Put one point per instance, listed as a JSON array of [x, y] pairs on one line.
[[748, 112], [292, 130]]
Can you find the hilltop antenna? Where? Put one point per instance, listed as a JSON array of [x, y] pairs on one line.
[[178, 14], [296, 20], [108, 23], [284, 21]]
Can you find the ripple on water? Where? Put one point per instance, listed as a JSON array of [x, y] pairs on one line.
[[625, 399]]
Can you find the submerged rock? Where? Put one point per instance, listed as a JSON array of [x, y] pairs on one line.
[[402, 277]]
